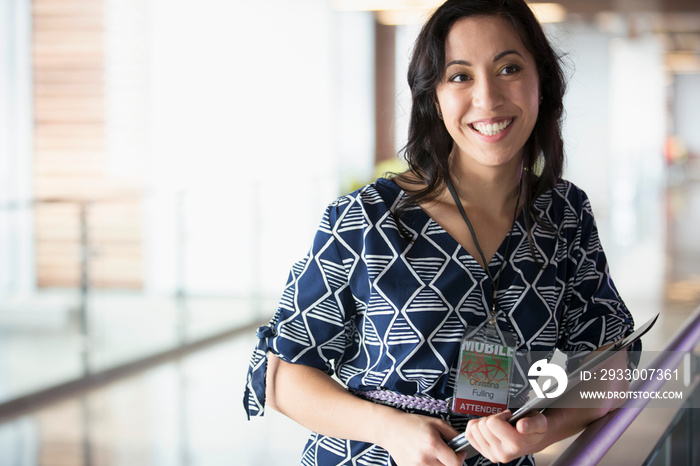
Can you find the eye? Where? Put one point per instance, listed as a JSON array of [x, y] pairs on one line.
[[459, 78], [509, 70]]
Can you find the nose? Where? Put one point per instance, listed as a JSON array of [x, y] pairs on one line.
[[487, 94]]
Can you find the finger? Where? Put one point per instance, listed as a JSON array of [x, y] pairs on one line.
[[489, 444], [489, 428], [499, 426], [448, 457], [535, 424], [476, 439], [462, 456], [445, 454], [498, 423], [504, 415]]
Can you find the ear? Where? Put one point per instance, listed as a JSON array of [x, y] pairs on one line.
[[438, 109]]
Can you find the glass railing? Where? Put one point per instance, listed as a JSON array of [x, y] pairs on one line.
[[114, 286]]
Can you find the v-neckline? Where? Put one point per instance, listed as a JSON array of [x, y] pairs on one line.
[[501, 248]]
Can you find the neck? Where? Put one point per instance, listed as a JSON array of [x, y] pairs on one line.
[[491, 188]]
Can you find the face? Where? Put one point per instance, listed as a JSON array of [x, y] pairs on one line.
[[489, 92]]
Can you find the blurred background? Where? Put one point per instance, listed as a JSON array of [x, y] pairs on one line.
[[163, 163]]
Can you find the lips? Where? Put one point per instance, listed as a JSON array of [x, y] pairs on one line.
[[491, 128]]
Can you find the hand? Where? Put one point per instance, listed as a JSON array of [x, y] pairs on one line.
[[415, 440], [496, 439]]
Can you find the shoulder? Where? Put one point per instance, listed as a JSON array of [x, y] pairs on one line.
[[565, 208], [381, 191], [368, 204], [563, 200], [572, 195]]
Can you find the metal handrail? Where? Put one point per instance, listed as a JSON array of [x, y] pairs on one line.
[[599, 437]]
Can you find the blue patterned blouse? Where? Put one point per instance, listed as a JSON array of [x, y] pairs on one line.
[[384, 313]]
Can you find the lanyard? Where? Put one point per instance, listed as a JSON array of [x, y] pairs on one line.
[[494, 284]]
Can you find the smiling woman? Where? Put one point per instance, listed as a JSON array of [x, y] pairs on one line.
[[405, 272]]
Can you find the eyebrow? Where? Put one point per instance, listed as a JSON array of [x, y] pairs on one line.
[[495, 59]]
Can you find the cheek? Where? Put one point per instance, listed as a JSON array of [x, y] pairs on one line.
[[534, 109], [452, 104], [533, 92], [535, 102], [530, 106]]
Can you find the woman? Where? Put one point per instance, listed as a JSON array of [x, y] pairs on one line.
[[479, 239]]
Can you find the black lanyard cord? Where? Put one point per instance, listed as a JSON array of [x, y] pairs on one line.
[[460, 207]]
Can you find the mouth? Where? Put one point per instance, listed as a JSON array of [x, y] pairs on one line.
[[491, 129]]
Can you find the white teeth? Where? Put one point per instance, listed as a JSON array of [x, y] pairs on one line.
[[491, 129]]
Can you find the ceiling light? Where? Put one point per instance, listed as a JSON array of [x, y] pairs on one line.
[[683, 62], [401, 17], [548, 12]]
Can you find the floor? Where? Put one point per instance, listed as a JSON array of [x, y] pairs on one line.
[[189, 412]]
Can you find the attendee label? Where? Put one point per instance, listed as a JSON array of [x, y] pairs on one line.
[[484, 378]]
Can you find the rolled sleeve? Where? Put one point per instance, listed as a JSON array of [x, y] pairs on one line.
[[309, 325]]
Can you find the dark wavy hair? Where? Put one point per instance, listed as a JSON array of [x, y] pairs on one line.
[[429, 144]]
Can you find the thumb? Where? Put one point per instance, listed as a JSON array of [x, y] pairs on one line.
[[532, 424]]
